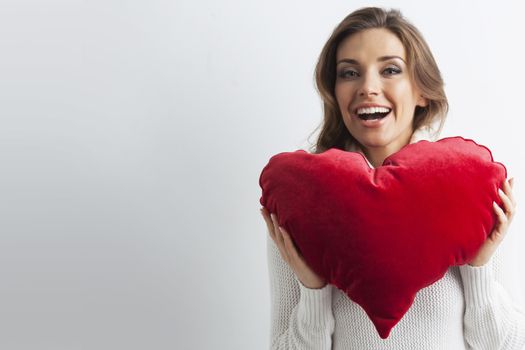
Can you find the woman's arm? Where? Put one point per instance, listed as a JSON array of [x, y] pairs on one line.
[[492, 319], [301, 318]]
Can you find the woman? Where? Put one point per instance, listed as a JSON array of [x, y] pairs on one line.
[[381, 90]]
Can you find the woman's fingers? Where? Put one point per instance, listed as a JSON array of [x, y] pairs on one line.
[[290, 246], [504, 216], [507, 198], [268, 221], [502, 223], [500, 213], [279, 239], [276, 230], [508, 206], [271, 228], [507, 189]]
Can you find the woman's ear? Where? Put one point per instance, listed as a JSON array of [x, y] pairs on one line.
[[422, 102]]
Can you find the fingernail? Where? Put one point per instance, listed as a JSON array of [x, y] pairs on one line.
[[500, 191]]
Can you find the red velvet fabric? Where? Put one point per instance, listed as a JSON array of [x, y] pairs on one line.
[[380, 235]]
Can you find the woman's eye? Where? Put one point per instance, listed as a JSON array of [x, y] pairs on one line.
[[348, 74], [392, 70]]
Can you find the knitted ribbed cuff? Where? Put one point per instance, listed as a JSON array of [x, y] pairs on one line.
[[315, 306], [478, 284]]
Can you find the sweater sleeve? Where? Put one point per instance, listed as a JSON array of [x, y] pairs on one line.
[[492, 319], [301, 318]]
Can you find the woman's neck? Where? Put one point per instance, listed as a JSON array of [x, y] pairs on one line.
[[377, 155]]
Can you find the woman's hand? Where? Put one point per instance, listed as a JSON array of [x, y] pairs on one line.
[[289, 253], [504, 219]]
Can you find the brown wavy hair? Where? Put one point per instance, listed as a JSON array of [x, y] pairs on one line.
[[422, 68]]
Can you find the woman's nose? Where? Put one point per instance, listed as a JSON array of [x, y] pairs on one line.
[[370, 86]]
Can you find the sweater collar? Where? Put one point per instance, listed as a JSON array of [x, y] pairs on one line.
[[422, 133]]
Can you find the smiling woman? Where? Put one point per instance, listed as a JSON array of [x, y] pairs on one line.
[[376, 80], [382, 90]]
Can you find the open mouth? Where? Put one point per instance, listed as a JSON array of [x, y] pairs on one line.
[[373, 114]]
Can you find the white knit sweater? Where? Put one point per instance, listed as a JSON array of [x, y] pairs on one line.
[[467, 309]]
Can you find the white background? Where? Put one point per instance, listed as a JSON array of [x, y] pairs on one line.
[[132, 136]]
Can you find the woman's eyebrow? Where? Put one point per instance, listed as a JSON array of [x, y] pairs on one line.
[[380, 59]]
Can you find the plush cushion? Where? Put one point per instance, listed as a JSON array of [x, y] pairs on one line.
[[380, 235]]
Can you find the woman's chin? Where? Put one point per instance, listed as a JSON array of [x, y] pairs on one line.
[[374, 142]]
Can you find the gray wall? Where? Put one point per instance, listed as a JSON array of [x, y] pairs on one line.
[[132, 135]]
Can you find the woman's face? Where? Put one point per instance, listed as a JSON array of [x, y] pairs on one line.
[[373, 89]]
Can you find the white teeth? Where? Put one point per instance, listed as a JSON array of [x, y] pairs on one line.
[[370, 110]]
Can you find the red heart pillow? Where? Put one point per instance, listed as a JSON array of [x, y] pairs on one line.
[[380, 235]]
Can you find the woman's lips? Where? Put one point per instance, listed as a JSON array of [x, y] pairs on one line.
[[373, 123]]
